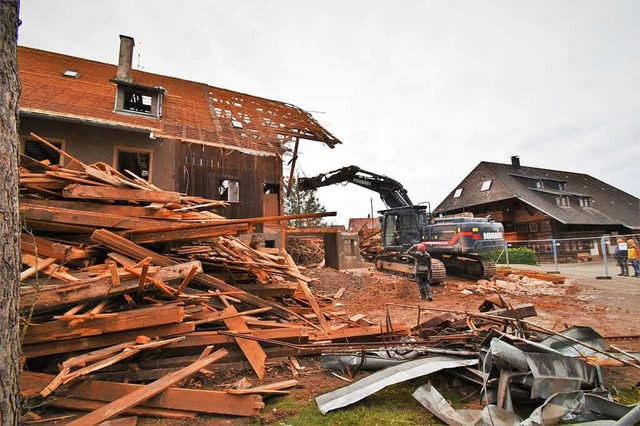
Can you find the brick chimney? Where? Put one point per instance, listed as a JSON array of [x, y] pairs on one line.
[[515, 161], [125, 59]]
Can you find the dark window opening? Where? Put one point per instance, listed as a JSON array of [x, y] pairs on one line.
[[229, 190], [271, 188], [138, 102], [39, 151], [136, 162], [270, 243]]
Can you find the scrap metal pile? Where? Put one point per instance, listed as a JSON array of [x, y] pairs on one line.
[[514, 363], [127, 290]]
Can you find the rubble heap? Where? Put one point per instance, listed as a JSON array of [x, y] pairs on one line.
[[127, 290]]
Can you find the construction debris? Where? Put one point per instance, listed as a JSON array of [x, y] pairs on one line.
[[518, 363], [125, 284], [128, 290]]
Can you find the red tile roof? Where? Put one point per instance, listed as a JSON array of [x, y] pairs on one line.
[[192, 112]]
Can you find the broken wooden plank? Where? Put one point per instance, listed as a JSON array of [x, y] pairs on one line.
[[310, 297], [265, 389], [40, 265], [213, 230], [183, 400], [144, 393], [119, 321], [122, 194], [254, 353], [60, 216], [85, 343], [46, 248], [93, 289]]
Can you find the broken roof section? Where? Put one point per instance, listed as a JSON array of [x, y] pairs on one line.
[[74, 89]]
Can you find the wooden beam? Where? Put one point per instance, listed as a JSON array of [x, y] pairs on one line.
[[142, 394], [92, 342], [40, 265], [56, 215], [120, 321], [71, 294], [252, 350], [184, 400], [184, 226], [307, 292], [122, 194]]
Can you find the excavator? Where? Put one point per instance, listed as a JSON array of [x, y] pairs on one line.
[[454, 243]]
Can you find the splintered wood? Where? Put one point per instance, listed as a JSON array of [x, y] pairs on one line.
[[127, 288]]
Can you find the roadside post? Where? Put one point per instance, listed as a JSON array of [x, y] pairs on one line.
[[555, 257], [506, 252], [603, 244]]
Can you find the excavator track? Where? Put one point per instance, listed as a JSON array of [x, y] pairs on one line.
[[404, 264], [469, 266]]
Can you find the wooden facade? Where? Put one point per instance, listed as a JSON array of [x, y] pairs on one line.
[[202, 169]]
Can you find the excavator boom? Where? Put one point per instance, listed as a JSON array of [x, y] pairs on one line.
[[391, 191]]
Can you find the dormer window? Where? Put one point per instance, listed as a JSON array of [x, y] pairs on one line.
[[585, 202], [137, 99], [562, 201], [138, 102]]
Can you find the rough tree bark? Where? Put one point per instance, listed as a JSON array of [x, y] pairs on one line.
[[9, 221]]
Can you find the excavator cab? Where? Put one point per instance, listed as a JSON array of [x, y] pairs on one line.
[[402, 227]]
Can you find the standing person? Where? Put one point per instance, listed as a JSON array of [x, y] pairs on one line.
[[423, 269], [633, 254], [620, 256]]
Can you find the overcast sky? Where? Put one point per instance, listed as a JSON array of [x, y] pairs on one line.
[[420, 91]]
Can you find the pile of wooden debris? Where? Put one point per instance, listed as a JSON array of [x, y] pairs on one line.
[[127, 290]]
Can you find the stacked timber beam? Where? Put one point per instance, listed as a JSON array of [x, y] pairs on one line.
[[127, 290]]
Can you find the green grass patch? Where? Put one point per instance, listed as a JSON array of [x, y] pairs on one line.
[[393, 405]]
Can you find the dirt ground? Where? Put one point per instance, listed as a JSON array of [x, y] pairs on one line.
[[609, 306]]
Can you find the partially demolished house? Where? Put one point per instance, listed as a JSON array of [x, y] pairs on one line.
[[535, 204], [181, 135]]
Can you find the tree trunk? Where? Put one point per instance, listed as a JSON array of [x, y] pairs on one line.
[[9, 221]]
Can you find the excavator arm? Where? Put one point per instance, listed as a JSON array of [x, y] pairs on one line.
[[391, 191]]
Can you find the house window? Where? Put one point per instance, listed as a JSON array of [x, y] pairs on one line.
[[486, 185], [133, 160], [540, 184], [546, 225], [562, 201], [137, 99], [229, 190], [458, 193], [137, 102], [533, 227], [41, 152], [271, 188], [585, 202], [562, 186]]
